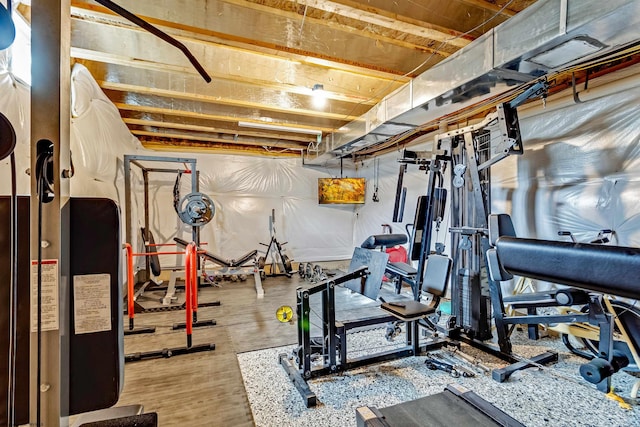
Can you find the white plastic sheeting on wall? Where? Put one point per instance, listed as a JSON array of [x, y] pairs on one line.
[[245, 190], [580, 171], [14, 104]]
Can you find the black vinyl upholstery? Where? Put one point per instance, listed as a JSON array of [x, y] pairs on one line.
[[607, 269], [154, 260], [436, 275], [218, 259], [384, 240], [500, 225]]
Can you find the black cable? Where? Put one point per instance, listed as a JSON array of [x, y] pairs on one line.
[[13, 298], [158, 33]]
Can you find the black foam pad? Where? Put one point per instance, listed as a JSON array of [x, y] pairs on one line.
[[401, 268], [408, 310], [386, 240], [600, 268], [154, 261], [436, 275]]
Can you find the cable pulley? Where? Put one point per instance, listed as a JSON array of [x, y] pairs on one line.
[[196, 209]]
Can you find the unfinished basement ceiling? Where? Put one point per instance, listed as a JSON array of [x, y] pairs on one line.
[[264, 58]]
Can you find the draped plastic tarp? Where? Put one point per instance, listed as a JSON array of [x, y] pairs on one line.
[[578, 173], [245, 190]]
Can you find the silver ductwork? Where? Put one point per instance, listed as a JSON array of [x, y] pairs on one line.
[[548, 36]]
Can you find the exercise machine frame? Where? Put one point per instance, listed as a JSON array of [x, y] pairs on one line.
[[136, 160], [332, 345], [471, 151]]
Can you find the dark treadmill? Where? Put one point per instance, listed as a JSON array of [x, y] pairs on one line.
[[455, 406]]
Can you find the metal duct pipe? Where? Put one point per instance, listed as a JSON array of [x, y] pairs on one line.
[[547, 36], [566, 99]]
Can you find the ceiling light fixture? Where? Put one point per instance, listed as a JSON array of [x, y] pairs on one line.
[[319, 96], [267, 126]]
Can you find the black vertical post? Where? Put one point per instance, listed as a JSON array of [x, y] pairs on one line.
[[432, 168], [331, 323]]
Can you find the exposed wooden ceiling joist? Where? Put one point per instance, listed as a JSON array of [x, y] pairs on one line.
[[264, 57]]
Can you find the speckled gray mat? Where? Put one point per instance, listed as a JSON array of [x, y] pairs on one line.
[[555, 396]]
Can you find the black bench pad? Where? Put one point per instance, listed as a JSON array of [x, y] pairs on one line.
[[386, 240], [219, 260], [401, 268], [607, 269], [408, 310]]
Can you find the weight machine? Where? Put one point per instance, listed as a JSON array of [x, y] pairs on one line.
[[470, 151], [584, 267], [328, 353]]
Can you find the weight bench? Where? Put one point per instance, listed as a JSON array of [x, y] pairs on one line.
[[591, 267], [233, 266], [223, 262], [401, 270]]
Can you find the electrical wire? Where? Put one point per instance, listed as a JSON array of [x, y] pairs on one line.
[[423, 63]]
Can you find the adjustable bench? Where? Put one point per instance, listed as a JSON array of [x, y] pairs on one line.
[[599, 268], [223, 262], [241, 265]]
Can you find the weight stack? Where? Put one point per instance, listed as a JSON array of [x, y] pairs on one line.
[[473, 312]]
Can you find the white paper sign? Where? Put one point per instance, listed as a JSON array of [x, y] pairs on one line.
[[49, 298], [91, 303]]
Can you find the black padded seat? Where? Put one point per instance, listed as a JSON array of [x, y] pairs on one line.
[[436, 278], [408, 310], [401, 269]]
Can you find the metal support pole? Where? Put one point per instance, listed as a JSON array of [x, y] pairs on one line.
[[50, 123], [331, 320], [432, 168], [304, 325]]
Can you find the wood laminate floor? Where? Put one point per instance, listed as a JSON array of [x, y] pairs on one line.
[[206, 389]]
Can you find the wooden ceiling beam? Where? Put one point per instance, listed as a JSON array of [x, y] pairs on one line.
[[197, 115], [187, 137], [483, 4], [174, 145], [201, 128], [84, 10], [221, 101], [386, 19]]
